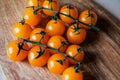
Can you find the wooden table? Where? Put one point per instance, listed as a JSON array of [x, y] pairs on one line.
[[102, 59]]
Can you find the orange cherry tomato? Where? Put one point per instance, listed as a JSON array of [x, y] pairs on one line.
[[76, 52], [55, 27], [57, 63], [88, 17], [70, 74], [57, 42], [50, 5], [39, 35], [68, 10], [76, 35], [38, 56], [17, 50], [35, 2], [32, 17], [22, 30]]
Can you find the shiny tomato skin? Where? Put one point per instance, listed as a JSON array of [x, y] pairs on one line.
[[85, 18], [65, 10], [31, 18], [54, 27], [72, 51], [75, 37], [33, 58], [22, 30], [47, 4], [36, 35], [13, 50], [70, 74], [56, 67], [56, 42], [35, 2]]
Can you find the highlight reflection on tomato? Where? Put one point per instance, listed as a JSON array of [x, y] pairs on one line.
[[88, 17], [68, 10], [38, 56], [70, 74], [54, 64], [76, 52], [55, 27], [31, 17], [56, 42], [17, 50], [76, 36]]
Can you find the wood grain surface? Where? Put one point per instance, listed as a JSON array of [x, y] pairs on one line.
[[102, 57]]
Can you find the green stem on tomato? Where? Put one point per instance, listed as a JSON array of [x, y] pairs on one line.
[[57, 50], [22, 21], [76, 20]]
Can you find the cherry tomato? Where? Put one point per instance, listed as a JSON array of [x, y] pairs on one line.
[[55, 27], [39, 35], [57, 63], [70, 74], [76, 35], [35, 2], [68, 10], [22, 30], [17, 50], [57, 42], [32, 17], [50, 5], [38, 56], [76, 52], [88, 17]]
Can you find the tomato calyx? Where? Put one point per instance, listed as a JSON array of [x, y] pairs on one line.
[[55, 17], [76, 29], [79, 49], [22, 21], [40, 53], [20, 47], [35, 11], [51, 1], [69, 6], [89, 14], [78, 52], [63, 44], [77, 67], [60, 61], [43, 33]]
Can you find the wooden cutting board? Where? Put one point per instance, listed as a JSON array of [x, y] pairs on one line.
[[102, 57]]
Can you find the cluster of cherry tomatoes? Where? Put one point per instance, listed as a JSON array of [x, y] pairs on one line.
[[59, 45]]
